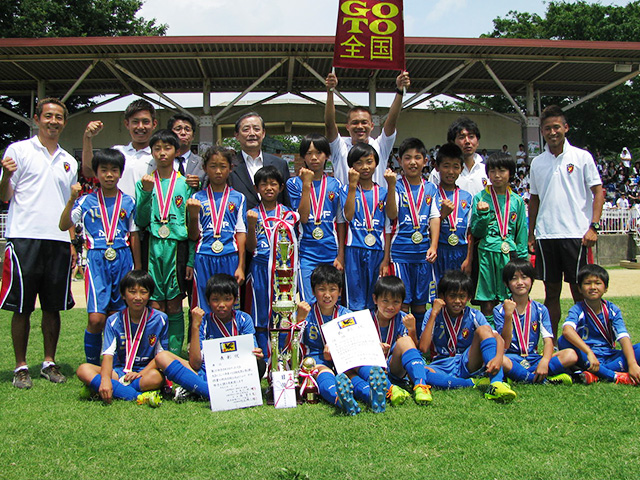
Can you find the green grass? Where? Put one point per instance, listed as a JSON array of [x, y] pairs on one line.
[[549, 432]]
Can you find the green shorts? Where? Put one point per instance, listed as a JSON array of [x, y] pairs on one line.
[[167, 267], [490, 286]]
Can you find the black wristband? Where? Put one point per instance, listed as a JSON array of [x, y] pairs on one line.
[[400, 91]]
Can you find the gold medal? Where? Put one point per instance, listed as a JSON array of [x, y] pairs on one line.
[[505, 248], [317, 233], [525, 363], [417, 237], [164, 231], [453, 240], [370, 240], [217, 246], [110, 254]]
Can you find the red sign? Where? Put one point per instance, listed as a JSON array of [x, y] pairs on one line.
[[370, 34]]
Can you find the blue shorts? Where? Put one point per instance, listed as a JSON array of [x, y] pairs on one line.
[[449, 258], [456, 366], [419, 281], [102, 280], [361, 269], [530, 362], [258, 291], [204, 267]]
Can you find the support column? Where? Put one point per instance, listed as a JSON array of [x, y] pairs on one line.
[[206, 131], [531, 132]]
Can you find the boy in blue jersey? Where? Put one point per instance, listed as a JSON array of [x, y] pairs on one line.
[[217, 224], [111, 239], [363, 208], [413, 229], [316, 197], [262, 226], [132, 338], [521, 321], [592, 328], [455, 251], [461, 342], [326, 282], [223, 321]]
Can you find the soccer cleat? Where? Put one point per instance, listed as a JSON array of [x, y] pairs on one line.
[[585, 377], [624, 378], [378, 389], [52, 373], [151, 398], [481, 384], [397, 395], [181, 394], [22, 379], [87, 394], [560, 379], [422, 394], [344, 388], [500, 392]]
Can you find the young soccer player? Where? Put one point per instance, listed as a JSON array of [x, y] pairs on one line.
[[521, 321], [161, 201], [461, 342], [132, 338], [592, 328], [261, 223], [413, 229], [108, 217], [499, 220], [217, 224], [316, 197], [223, 321], [455, 251], [363, 208], [326, 282]]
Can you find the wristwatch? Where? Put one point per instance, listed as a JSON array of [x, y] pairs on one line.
[[596, 226]]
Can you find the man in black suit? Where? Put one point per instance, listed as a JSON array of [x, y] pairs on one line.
[[250, 133], [186, 162]]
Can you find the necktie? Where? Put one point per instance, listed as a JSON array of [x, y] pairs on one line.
[[181, 165]]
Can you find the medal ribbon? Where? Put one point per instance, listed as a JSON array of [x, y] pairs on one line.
[[414, 206], [503, 220], [220, 324], [109, 224], [164, 202], [368, 217], [217, 214], [453, 216], [318, 314], [523, 331], [131, 346], [265, 219], [453, 329], [317, 204], [605, 329], [390, 331]]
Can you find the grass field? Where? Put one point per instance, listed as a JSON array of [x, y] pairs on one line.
[[549, 432]]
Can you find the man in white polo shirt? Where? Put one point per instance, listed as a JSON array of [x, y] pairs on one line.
[[36, 177], [564, 210]]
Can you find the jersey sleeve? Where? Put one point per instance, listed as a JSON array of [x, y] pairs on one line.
[[109, 343], [546, 330], [163, 343], [241, 224], [76, 212], [479, 220], [573, 317], [498, 318], [615, 317], [143, 206], [295, 192], [591, 175], [521, 237]]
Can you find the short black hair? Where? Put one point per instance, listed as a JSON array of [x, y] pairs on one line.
[[221, 284], [224, 152], [53, 100], [518, 265], [412, 143], [449, 150], [390, 285], [360, 150], [268, 173], [165, 136], [358, 109], [455, 281], [552, 111], [184, 117], [501, 160], [139, 105], [108, 156], [326, 273], [319, 141], [593, 270], [135, 278], [459, 124], [247, 115]]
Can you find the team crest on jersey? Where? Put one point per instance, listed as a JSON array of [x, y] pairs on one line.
[[465, 333], [514, 216], [570, 168], [153, 339], [534, 325], [227, 347], [484, 182], [232, 207], [123, 213], [463, 203], [179, 201], [347, 322], [428, 199], [331, 196], [67, 166], [381, 206]]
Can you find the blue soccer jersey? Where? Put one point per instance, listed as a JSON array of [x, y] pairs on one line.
[[263, 248], [403, 248], [155, 338], [465, 202], [357, 229], [599, 335], [240, 324], [312, 337], [233, 221], [539, 324], [399, 330], [471, 320], [87, 211]]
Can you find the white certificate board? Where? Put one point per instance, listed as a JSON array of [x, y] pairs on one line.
[[232, 372], [353, 341]]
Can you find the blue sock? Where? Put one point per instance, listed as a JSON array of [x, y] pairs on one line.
[[92, 347], [178, 373], [136, 385], [327, 387], [419, 320], [444, 381], [519, 373], [606, 373], [555, 366], [262, 337], [120, 391], [489, 348], [413, 363], [361, 389]]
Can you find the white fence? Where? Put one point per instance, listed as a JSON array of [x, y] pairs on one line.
[[620, 220]]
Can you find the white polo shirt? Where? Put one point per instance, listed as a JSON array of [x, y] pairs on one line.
[[41, 187], [340, 149], [138, 163], [563, 184], [472, 181]]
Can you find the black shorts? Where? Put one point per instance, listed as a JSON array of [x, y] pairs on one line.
[[34, 267], [558, 256]]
